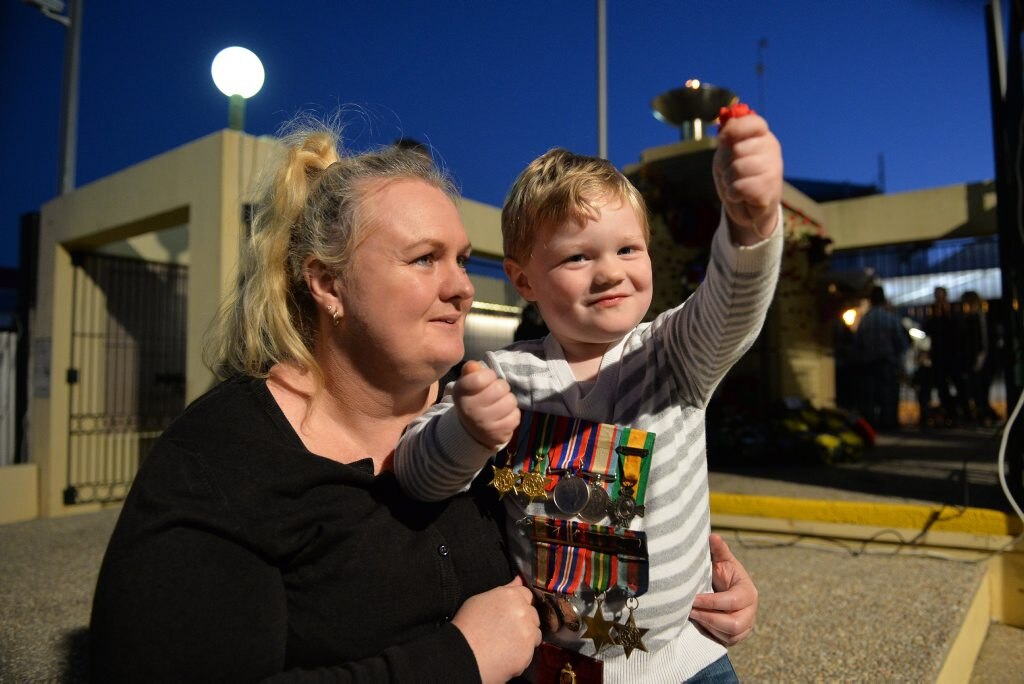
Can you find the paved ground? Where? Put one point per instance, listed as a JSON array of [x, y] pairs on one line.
[[49, 570], [827, 614], [837, 616]]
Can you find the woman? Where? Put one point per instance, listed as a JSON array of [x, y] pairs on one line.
[[264, 537]]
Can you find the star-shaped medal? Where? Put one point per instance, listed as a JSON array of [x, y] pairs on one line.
[[504, 481], [532, 486], [629, 636], [599, 629]]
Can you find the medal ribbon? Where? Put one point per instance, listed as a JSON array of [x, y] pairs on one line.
[[569, 444], [566, 445], [634, 467], [598, 459], [569, 554], [532, 440]]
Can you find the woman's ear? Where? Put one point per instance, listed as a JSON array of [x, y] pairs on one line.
[[517, 276], [323, 285]]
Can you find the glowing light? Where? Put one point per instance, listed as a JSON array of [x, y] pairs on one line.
[[850, 317], [237, 71], [693, 83], [917, 334]]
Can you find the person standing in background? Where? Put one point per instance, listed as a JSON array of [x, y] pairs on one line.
[[943, 326], [977, 358], [881, 342]]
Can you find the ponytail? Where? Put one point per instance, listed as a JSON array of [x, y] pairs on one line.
[[308, 206]]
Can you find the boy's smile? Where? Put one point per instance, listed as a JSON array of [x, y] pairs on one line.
[[592, 283]]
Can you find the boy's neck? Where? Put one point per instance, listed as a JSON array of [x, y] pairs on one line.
[[584, 359]]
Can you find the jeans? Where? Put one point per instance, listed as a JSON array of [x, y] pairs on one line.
[[718, 672]]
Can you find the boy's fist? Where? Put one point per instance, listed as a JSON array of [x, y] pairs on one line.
[[748, 177], [486, 405]]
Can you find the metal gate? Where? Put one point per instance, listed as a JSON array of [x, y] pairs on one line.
[[126, 374]]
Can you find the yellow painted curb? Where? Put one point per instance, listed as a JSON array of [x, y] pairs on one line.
[[980, 521]]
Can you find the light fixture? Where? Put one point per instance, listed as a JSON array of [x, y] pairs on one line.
[[238, 73]]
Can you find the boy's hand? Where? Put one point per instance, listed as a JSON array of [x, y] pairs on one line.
[[486, 405], [748, 177]]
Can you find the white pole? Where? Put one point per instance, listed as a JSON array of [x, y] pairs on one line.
[[602, 81], [69, 110]]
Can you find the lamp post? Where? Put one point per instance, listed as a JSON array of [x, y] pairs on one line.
[[72, 21], [238, 73]]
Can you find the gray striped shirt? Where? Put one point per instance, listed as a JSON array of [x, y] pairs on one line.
[[658, 378]]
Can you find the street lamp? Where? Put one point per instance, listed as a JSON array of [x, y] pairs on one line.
[[72, 21], [238, 73]]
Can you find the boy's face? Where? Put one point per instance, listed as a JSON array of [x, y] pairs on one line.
[[593, 283]]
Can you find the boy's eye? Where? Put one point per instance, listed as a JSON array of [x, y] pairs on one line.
[[576, 258], [462, 261], [628, 250]]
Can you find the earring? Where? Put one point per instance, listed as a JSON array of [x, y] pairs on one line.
[[335, 316]]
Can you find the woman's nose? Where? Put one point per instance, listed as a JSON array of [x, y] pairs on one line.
[[458, 285]]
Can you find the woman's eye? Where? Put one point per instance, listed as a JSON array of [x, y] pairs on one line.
[[425, 260]]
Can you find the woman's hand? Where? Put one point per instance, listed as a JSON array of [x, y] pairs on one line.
[[728, 614], [502, 628]]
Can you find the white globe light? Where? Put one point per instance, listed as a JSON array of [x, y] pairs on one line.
[[237, 71]]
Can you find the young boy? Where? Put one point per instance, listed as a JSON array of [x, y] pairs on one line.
[[575, 236]]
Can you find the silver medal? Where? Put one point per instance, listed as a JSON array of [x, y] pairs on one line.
[[571, 494], [597, 504]]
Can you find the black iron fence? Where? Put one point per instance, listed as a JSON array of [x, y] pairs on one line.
[[126, 374]]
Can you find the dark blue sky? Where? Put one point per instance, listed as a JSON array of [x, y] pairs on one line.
[[491, 85]]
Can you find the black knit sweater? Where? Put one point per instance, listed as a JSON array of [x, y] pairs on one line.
[[241, 556]]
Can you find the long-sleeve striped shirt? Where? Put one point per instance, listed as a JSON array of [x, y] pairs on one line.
[[659, 378]]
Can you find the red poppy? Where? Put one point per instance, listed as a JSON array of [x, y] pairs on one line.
[[732, 112]]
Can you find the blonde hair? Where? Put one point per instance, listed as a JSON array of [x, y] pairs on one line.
[[560, 186], [310, 204]]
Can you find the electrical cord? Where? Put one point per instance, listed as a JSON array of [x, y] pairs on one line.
[[1001, 462], [859, 548]]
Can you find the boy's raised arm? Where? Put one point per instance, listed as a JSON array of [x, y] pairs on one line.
[[748, 178]]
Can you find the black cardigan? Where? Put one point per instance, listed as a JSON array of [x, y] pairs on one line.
[[241, 556]]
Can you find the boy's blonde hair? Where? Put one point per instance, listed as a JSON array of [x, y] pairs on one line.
[[560, 186]]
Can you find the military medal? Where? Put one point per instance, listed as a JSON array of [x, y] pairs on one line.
[[628, 635], [571, 494], [598, 502], [534, 486], [634, 464], [574, 443], [504, 480], [527, 476], [625, 508], [599, 629], [558, 611]]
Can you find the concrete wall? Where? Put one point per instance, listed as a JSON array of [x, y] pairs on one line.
[[19, 492], [946, 212]]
